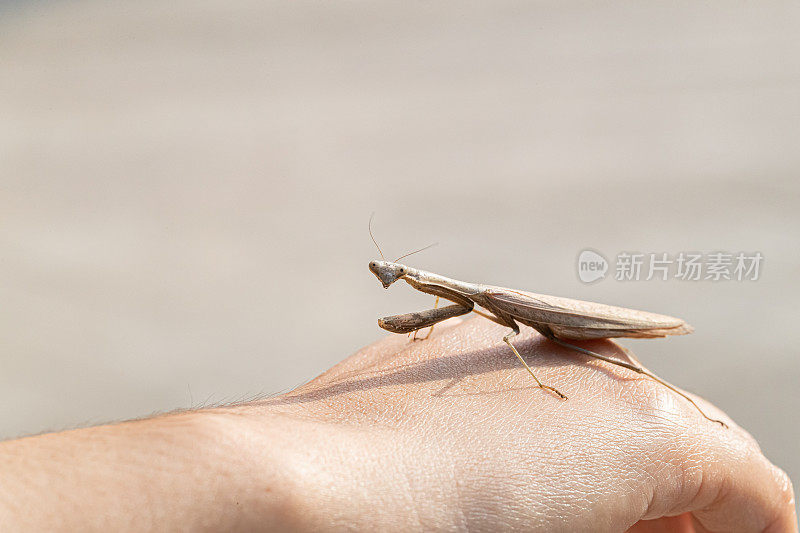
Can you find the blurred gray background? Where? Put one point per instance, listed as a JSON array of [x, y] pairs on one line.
[[185, 187]]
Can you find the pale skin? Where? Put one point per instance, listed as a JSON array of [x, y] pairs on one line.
[[444, 434]]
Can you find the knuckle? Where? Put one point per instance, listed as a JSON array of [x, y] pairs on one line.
[[784, 486]]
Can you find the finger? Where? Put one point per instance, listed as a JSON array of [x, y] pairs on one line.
[[756, 496], [724, 482]]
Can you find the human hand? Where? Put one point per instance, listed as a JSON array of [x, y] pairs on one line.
[[445, 434], [452, 433]]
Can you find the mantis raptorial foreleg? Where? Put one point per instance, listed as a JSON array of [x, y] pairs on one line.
[[435, 306], [410, 322]]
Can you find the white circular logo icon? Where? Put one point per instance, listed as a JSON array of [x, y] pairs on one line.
[[591, 266]]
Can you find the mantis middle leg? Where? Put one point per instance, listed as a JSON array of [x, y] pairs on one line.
[[507, 339]]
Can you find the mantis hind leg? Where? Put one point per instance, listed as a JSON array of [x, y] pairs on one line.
[[507, 339], [629, 366]]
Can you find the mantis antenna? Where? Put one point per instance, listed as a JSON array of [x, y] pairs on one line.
[[381, 251], [373, 236], [415, 251]]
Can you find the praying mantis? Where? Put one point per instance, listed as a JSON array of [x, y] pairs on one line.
[[558, 319]]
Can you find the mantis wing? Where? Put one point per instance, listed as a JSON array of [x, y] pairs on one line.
[[576, 319]]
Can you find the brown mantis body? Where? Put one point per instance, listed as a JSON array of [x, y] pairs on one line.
[[558, 319]]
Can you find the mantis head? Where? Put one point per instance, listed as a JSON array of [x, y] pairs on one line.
[[388, 272]]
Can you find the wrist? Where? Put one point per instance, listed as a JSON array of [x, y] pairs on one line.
[[337, 468], [254, 483], [319, 474]]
